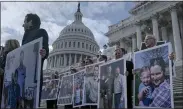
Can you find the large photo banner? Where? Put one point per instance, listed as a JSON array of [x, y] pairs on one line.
[[22, 77], [65, 94], [78, 88], [113, 92], [50, 89], [153, 78], [91, 85]]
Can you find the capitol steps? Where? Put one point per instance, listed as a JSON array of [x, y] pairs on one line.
[[178, 97], [178, 87]]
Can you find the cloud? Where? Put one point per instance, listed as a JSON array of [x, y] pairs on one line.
[[97, 16], [98, 27]]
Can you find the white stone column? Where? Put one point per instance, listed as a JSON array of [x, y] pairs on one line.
[[47, 66], [51, 61], [65, 60], [60, 60], [181, 28], [122, 44], [75, 58], [70, 59], [134, 43], [55, 60], [164, 33], [139, 35], [155, 27], [176, 35], [81, 57]]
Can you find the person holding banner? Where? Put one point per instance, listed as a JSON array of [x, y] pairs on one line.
[[120, 52], [150, 41], [32, 30], [10, 45]]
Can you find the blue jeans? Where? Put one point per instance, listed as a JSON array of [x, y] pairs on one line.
[[117, 101]]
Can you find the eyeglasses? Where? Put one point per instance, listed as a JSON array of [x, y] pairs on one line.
[[148, 39]]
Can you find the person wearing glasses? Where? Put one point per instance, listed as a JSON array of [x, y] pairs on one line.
[[150, 41]]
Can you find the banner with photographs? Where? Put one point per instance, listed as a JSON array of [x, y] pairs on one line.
[[143, 47], [22, 77], [65, 90], [91, 84], [113, 89], [153, 78], [78, 88], [49, 90]]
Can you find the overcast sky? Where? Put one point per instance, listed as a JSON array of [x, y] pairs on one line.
[[56, 15]]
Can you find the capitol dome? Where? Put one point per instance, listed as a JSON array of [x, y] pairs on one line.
[[75, 42], [77, 27]]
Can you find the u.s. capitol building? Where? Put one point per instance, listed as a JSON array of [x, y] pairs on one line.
[[162, 19], [75, 42]]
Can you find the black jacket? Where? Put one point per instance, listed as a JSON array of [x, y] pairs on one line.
[[2, 61], [35, 34], [129, 67]]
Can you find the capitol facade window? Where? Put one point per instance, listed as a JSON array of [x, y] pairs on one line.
[[69, 44], [82, 45], [86, 46], [78, 44], [74, 44], [65, 44]]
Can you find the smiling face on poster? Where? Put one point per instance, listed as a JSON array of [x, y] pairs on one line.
[[113, 84], [153, 79], [22, 69], [66, 90], [91, 84], [78, 88]]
